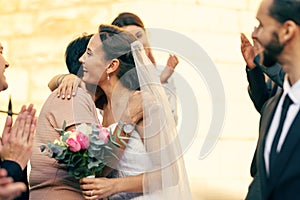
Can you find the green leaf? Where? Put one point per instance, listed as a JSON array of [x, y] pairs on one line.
[[62, 129], [64, 125], [116, 144], [64, 137], [42, 148]]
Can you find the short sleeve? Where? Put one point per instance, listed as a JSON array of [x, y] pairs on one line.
[[79, 109]]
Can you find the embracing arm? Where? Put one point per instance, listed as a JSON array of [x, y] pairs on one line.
[[133, 115], [66, 85], [55, 81]]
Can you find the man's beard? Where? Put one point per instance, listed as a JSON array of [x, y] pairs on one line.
[[272, 50]]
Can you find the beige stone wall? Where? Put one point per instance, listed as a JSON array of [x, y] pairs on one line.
[[35, 34]]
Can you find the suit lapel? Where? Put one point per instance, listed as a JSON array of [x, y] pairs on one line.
[[266, 120], [291, 141]]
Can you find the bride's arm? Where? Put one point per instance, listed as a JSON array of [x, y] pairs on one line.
[[132, 115], [104, 187]]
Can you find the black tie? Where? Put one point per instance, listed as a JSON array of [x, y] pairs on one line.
[[285, 107]]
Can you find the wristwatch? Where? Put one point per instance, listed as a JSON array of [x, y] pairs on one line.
[[126, 127]]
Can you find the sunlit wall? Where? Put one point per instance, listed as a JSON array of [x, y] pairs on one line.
[[35, 34]]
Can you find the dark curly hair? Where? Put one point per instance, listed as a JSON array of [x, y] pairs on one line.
[[74, 51]]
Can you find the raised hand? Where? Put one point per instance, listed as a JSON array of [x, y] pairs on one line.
[[68, 86], [249, 51], [169, 69], [17, 139], [172, 61], [9, 189]]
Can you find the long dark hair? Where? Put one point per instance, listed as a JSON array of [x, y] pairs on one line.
[[117, 44]]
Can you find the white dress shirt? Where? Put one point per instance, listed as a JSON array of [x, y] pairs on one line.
[[294, 93]]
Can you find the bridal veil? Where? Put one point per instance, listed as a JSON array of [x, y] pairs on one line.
[[165, 176]]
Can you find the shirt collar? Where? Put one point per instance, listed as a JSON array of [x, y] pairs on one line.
[[293, 91]]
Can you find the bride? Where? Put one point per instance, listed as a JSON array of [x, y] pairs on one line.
[[151, 166]]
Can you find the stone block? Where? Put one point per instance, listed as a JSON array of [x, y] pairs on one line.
[[9, 6], [247, 22], [221, 48], [252, 5], [232, 4], [39, 48], [39, 81], [22, 23]]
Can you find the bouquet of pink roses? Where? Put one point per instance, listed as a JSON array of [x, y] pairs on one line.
[[84, 151]]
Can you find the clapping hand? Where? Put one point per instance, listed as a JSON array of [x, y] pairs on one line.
[[17, 139], [172, 61], [249, 51], [9, 189], [169, 69]]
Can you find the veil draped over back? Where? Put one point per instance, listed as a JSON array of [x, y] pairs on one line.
[[165, 176]]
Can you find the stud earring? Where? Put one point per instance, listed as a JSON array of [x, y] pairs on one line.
[[108, 77]]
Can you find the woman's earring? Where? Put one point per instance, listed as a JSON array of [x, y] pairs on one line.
[[108, 77]]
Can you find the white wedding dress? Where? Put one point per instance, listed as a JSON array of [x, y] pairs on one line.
[[134, 161]]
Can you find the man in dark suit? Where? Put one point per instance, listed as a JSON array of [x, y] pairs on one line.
[[15, 146], [276, 165], [261, 88]]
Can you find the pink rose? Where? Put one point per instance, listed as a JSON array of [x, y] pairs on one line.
[[104, 135], [73, 144], [83, 140]]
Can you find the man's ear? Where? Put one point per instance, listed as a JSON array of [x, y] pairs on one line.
[[289, 29], [113, 66]]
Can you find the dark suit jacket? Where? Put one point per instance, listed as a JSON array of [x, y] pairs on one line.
[[275, 72], [284, 182], [259, 90], [14, 170]]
